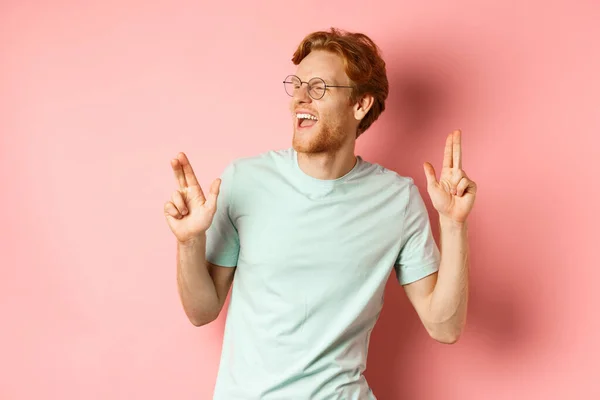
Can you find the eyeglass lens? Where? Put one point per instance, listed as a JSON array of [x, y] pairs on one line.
[[316, 86]]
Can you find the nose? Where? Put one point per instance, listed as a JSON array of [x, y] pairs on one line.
[[301, 95]]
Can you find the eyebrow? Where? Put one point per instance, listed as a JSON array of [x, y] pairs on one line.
[[313, 76], [328, 80]]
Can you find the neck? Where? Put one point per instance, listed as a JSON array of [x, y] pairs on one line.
[[327, 165]]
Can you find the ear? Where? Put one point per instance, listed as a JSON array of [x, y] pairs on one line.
[[362, 106]]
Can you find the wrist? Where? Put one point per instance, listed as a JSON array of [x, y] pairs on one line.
[[193, 241], [449, 223]]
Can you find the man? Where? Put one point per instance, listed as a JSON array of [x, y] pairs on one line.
[[312, 233]]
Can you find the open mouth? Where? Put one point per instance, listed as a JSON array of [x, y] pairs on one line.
[[305, 121]]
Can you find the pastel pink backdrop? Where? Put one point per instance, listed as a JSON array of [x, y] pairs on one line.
[[96, 97]]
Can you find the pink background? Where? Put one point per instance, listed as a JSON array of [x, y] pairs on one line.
[[97, 97]]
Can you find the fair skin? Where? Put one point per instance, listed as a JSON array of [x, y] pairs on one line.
[[202, 286], [441, 298], [326, 150]]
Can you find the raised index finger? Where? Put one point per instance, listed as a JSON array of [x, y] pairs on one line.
[[178, 171], [188, 171], [456, 150], [448, 152]]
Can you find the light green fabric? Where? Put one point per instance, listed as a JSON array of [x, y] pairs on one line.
[[313, 257]]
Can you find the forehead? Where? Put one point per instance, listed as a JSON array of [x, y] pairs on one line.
[[322, 64]]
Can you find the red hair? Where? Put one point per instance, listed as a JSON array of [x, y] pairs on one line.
[[362, 62]]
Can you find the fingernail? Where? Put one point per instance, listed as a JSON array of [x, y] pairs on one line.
[[184, 211]]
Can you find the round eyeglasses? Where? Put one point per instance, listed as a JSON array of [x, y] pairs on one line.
[[316, 86]]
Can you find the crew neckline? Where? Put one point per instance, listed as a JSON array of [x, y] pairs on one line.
[[323, 182]]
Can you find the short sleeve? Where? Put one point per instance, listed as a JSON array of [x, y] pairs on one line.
[[419, 254], [222, 239]]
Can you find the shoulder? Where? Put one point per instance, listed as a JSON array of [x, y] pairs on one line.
[[407, 197], [267, 158], [386, 177], [250, 171]]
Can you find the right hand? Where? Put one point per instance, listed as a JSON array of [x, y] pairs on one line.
[[190, 214]]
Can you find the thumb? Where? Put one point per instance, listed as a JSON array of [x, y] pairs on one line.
[[211, 199], [429, 173]]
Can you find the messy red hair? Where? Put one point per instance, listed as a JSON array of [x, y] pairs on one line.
[[362, 62]]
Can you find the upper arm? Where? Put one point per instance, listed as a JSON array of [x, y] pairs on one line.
[[222, 239], [419, 294], [419, 259], [222, 278], [419, 255]]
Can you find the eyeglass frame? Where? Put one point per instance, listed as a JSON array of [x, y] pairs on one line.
[[308, 84]]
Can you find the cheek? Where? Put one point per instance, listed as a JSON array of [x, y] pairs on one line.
[[341, 117], [334, 116]]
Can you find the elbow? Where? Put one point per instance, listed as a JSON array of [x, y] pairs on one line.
[[446, 331], [200, 322], [201, 319], [449, 335], [446, 338]]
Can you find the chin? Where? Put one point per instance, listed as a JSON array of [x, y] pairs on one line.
[[307, 144], [320, 141]]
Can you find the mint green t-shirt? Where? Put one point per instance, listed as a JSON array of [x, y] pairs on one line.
[[313, 257]]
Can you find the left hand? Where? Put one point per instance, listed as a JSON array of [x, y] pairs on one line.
[[454, 195]]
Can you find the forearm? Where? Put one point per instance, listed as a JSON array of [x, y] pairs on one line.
[[448, 302], [196, 287]]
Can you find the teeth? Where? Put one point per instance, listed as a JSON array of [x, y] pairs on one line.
[[306, 116]]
